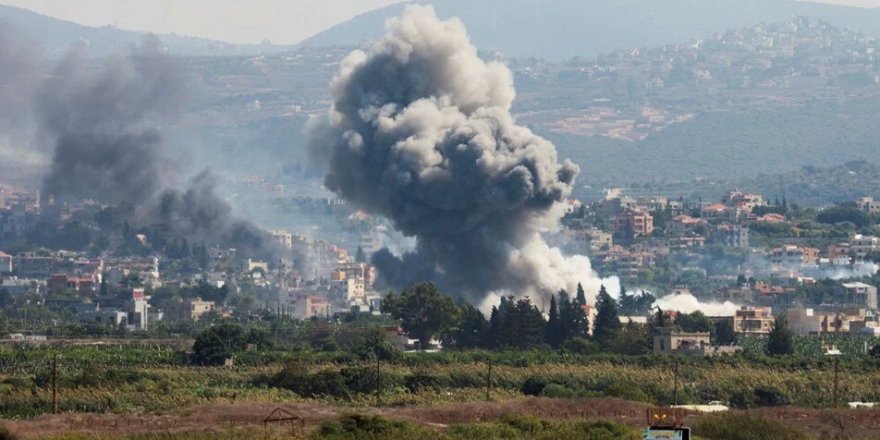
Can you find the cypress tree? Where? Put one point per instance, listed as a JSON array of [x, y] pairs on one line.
[[581, 296], [551, 335], [607, 322], [779, 341]]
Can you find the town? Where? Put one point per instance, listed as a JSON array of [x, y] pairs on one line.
[[738, 261]]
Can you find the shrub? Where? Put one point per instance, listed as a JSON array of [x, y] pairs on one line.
[[533, 386], [360, 427], [6, 435]]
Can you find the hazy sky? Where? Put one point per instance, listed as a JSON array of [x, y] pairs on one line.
[[241, 21]]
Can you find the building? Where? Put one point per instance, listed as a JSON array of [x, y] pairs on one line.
[[33, 265], [861, 245], [193, 309], [746, 202], [5, 263], [81, 285], [868, 205], [753, 320], [669, 341], [633, 223], [599, 239], [791, 255], [284, 238], [138, 310], [802, 321], [734, 236], [312, 307], [862, 294]]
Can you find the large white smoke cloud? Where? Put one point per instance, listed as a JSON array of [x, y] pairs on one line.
[[688, 303], [421, 132]]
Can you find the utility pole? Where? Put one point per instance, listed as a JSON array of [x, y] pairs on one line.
[[836, 395], [55, 384], [675, 385], [489, 381], [378, 384]]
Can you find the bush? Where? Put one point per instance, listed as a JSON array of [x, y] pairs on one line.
[[360, 427], [740, 426], [533, 386], [6, 435]]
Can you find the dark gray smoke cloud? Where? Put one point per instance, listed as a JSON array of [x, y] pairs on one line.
[[103, 122], [420, 132], [103, 125]]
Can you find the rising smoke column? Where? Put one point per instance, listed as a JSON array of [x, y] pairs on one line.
[[104, 126], [421, 132]]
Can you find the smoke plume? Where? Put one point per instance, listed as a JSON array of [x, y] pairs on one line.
[[103, 123], [688, 303], [421, 132]]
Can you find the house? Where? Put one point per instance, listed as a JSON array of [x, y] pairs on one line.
[[868, 205], [599, 239], [193, 309], [312, 306], [60, 283], [753, 320], [861, 294], [5, 263], [669, 341], [807, 321]]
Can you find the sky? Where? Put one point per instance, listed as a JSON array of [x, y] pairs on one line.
[[236, 21]]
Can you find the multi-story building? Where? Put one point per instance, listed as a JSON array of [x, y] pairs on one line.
[[193, 309], [599, 239], [82, 285], [633, 223], [868, 205], [861, 294], [791, 255], [669, 341], [861, 245], [5, 263], [734, 236], [284, 238], [753, 320]]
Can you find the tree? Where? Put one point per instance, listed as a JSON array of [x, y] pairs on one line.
[[573, 322], [528, 325], [360, 256], [423, 310], [693, 322], [217, 343], [607, 323], [581, 296], [472, 331], [553, 333], [724, 333], [779, 342]]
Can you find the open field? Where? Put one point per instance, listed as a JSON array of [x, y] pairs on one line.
[[247, 419], [154, 391]]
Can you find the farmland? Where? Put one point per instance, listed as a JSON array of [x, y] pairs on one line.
[[154, 388]]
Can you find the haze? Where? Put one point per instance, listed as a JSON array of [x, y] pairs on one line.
[[236, 21]]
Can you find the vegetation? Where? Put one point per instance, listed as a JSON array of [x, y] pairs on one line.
[[739, 426]]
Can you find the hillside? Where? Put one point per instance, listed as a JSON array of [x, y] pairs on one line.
[[551, 30], [54, 37]]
